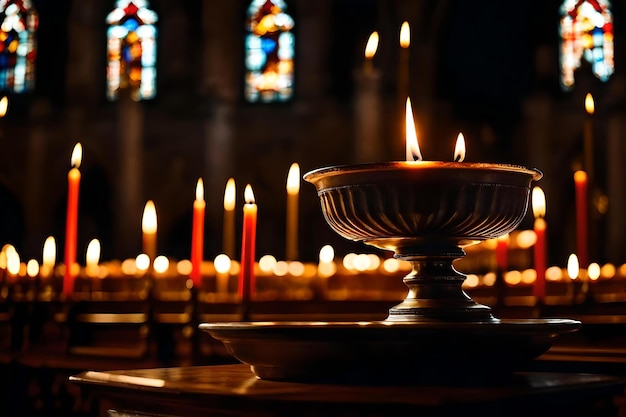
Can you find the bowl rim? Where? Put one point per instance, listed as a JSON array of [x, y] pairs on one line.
[[315, 174]]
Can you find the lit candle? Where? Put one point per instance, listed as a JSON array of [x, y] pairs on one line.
[[293, 190], [197, 234], [92, 258], [502, 248], [370, 51], [228, 243], [71, 224], [149, 230], [539, 211], [588, 136], [412, 147], [248, 245], [580, 181], [403, 67], [49, 257]]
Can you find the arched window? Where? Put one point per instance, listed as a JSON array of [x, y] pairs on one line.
[[269, 52], [586, 29], [18, 47], [131, 48]]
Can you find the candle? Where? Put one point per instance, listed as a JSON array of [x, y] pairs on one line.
[[403, 70], [412, 147], [248, 244], [228, 243], [370, 51], [502, 248], [580, 181], [197, 234], [149, 230], [539, 211], [293, 190], [4, 106], [588, 136], [71, 224]]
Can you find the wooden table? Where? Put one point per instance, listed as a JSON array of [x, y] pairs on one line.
[[232, 390]]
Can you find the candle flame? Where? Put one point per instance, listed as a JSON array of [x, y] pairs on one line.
[[327, 254], [293, 179], [580, 176], [13, 260], [230, 195], [222, 263], [32, 268], [4, 106], [459, 148], [200, 190], [589, 104], [372, 45], [77, 155], [539, 202], [149, 219], [412, 147], [248, 195], [93, 253], [49, 252], [405, 35], [572, 266]]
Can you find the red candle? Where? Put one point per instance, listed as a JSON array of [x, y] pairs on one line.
[[248, 244], [580, 181], [502, 248], [197, 234], [539, 210], [71, 224]]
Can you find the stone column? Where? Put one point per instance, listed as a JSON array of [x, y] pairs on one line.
[[616, 175], [129, 195], [222, 26]]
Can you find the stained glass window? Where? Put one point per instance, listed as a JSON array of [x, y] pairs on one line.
[[586, 29], [131, 48], [18, 47], [269, 52]]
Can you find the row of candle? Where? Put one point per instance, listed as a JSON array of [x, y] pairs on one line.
[[149, 226]]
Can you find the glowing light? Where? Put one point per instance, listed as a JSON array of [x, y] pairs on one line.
[[327, 254], [199, 190], [412, 147], [267, 263], [572, 266], [161, 264], [293, 179], [4, 105], [371, 46], [391, 265], [459, 148], [93, 253], [230, 195], [184, 267], [149, 219], [539, 202], [49, 252], [554, 273], [295, 268], [248, 195], [281, 269], [589, 104], [222, 263], [593, 271], [608, 270], [142, 262], [32, 268], [526, 239], [77, 155], [405, 35], [13, 260]]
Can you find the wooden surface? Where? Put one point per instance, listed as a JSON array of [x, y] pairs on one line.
[[233, 390]]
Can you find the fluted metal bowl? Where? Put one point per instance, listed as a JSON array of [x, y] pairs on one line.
[[426, 212], [424, 203]]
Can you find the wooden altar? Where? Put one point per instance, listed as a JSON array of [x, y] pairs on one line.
[[233, 390]]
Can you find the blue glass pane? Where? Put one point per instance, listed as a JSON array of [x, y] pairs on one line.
[[131, 24], [268, 45]]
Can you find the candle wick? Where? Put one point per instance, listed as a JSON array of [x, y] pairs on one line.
[[416, 156]]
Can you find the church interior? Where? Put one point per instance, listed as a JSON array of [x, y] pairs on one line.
[[195, 111]]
